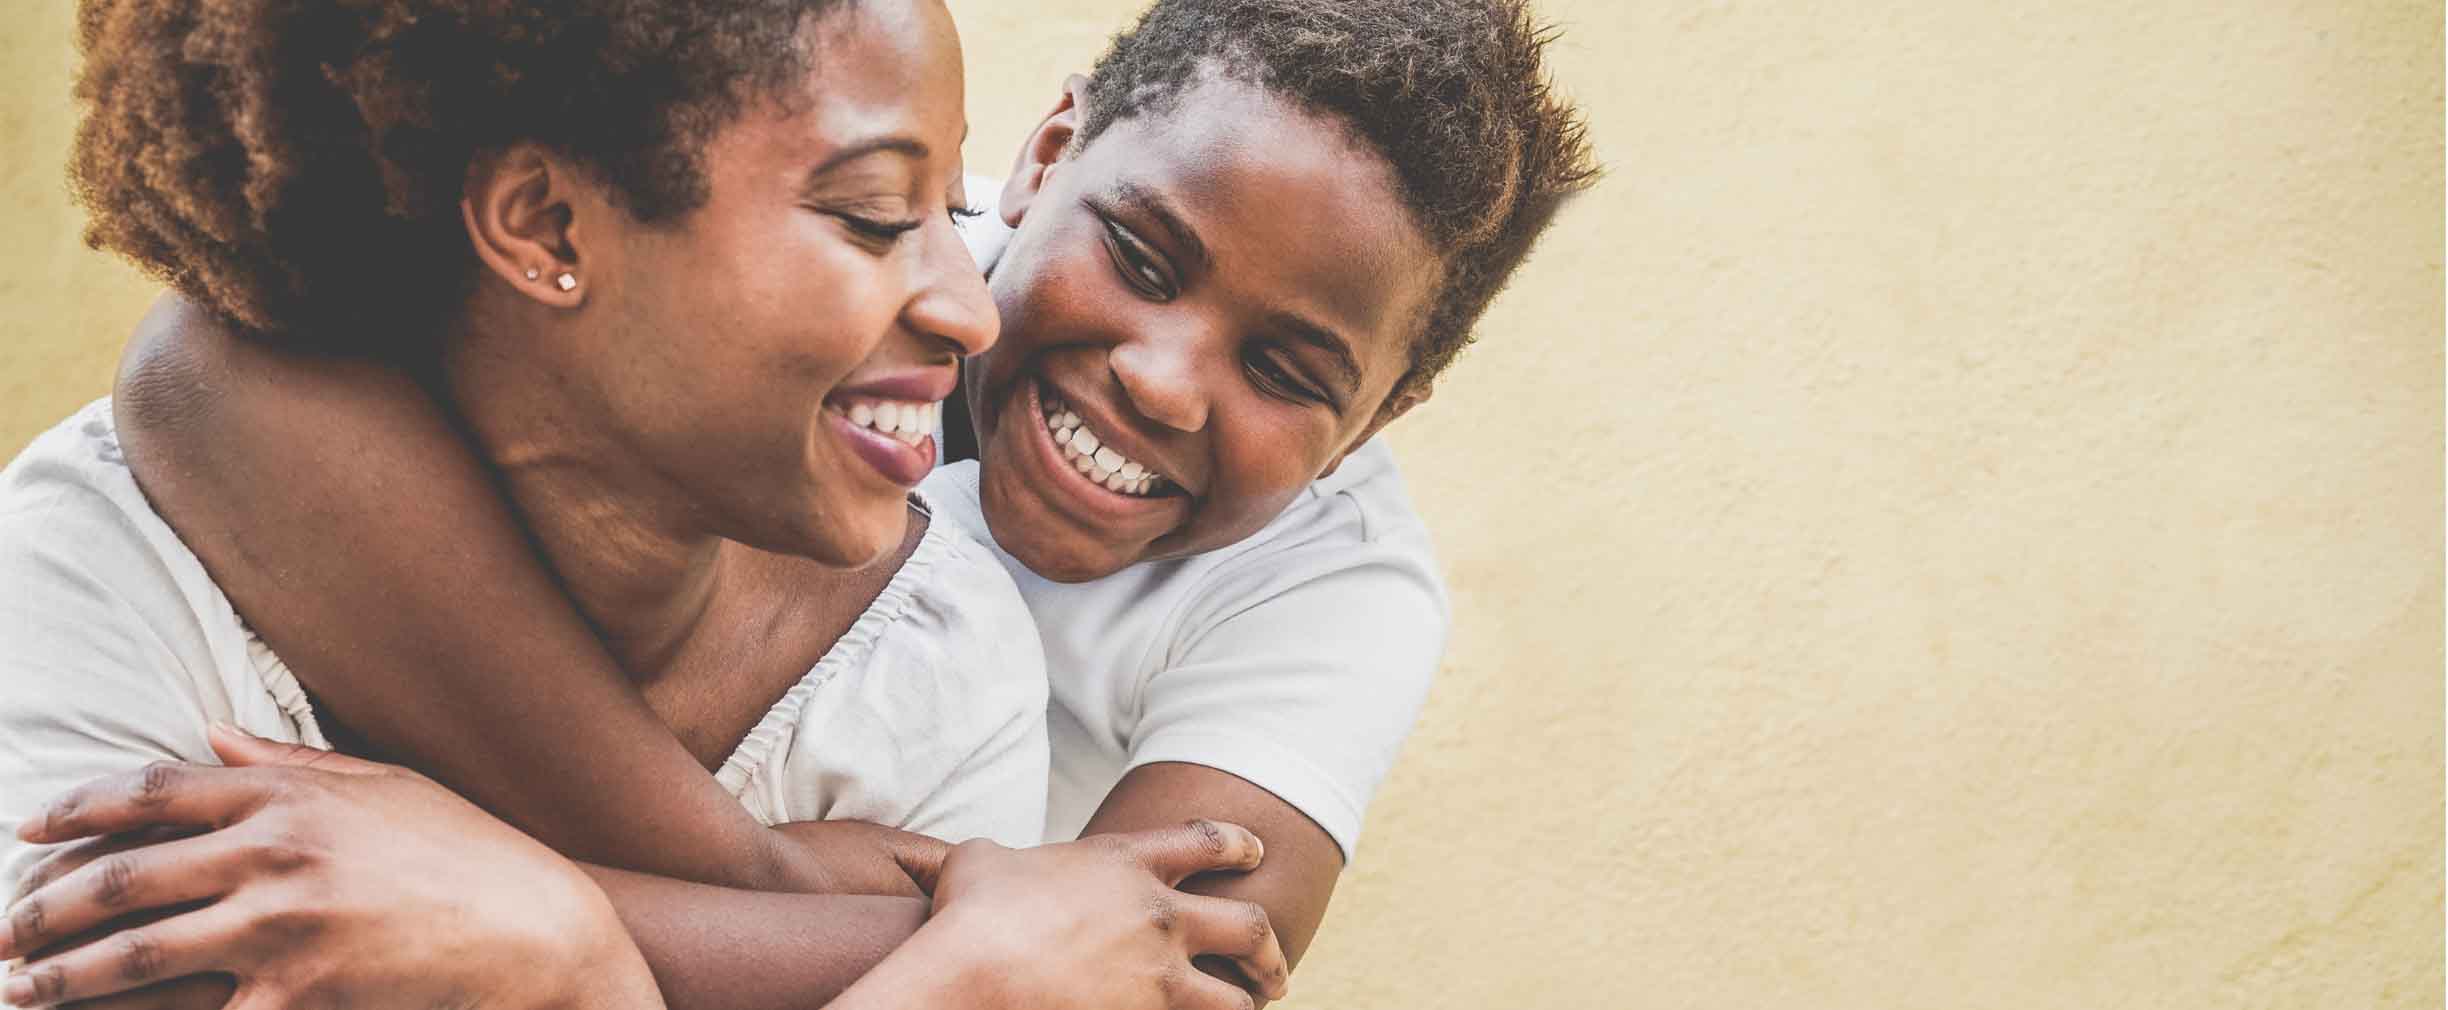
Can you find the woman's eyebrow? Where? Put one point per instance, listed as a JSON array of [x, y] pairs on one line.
[[1153, 204], [906, 146]]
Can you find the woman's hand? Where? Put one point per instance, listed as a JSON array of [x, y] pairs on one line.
[[316, 879], [1094, 923]]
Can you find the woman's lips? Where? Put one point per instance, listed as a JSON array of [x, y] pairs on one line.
[[899, 462]]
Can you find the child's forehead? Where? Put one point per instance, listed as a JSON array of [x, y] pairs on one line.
[[1296, 219]]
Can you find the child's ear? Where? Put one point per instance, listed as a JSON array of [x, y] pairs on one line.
[[1412, 395], [1045, 148]]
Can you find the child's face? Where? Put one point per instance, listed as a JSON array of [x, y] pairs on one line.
[[1223, 297]]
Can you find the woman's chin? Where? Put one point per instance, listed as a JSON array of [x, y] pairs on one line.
[[860, 542]]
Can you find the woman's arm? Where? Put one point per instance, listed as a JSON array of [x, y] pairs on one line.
[[337, 506], [318, 877]]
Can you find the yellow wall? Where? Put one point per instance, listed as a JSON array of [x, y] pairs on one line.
[[1954, 522]]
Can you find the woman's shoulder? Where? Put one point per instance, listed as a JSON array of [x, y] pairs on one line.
[[959, 594], [69, 495], [107, 609]]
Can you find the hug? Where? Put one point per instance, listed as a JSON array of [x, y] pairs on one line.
[[612, 512]]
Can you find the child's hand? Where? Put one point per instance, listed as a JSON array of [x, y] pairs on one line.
[[1098, 922], [855, 857]]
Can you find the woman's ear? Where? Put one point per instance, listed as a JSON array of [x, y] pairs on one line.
[[1045, 148], [517, 209]]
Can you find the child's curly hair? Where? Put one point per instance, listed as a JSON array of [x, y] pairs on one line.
[[296, 165], [1452, 93]]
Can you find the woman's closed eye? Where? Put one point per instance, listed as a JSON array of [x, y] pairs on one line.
[[885, 232]]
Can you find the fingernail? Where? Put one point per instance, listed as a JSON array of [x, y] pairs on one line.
[[18, 990]]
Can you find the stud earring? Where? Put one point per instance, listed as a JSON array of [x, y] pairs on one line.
[[566, 282], [533, 273]]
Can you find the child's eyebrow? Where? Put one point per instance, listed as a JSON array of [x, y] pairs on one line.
[[1148, 201]]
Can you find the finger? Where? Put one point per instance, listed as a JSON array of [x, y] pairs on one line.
[[241, 749], [195, 992], [129, 960], [61, 861], [1192, 989], [1200, 846], [161, 794], [1237, 931], [123, 883]]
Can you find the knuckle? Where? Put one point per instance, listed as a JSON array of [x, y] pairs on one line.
[[28, 926], [1211, 837], [283, 851], [50, 984], [140, 956], [42, 874], [155, 784], [1260, 929], [1162, 914], [287, 927], [61, 817], [115, 880]]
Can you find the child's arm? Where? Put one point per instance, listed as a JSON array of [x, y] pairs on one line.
[[340, 510]]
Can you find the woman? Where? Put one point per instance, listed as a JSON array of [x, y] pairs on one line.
[[673, 268]]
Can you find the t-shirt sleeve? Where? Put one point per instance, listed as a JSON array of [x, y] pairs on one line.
[[1302, 676], [93, 678]]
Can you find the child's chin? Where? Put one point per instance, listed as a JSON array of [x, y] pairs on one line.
[[1070, 563]]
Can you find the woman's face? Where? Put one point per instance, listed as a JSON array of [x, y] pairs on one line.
[[772, 363], [1221, 297]]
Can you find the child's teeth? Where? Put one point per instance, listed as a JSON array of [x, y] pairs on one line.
[[1102, 464]]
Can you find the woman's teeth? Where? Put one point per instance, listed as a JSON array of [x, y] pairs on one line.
[[1093, 458], [912, 423]]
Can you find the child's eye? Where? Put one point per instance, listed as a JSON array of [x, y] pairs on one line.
[[1280, 380], [1138, 264]]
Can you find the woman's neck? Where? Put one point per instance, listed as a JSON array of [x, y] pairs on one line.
[[638, 564]]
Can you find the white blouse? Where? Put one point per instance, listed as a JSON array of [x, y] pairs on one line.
[[116, 649]]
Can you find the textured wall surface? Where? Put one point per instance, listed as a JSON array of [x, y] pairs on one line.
[[1955, 521]]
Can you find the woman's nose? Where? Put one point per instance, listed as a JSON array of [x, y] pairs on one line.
[[951, 302]]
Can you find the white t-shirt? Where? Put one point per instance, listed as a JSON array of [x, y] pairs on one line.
[[1296, 659], [117, 649]]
